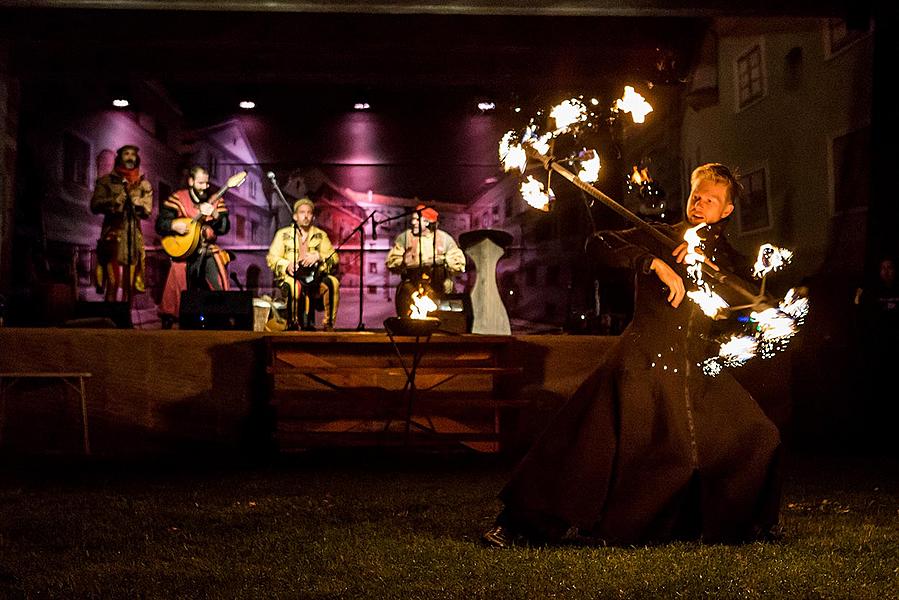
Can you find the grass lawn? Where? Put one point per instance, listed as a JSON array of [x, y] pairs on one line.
[[369, 525]]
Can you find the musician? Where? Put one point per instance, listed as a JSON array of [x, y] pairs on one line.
[[124, 197], [206, 267], [424, 256], [304, 265]]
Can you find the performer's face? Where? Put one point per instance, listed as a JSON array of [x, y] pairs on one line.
[[303, 215], [129, 158], [199, 184], [418, 224], [708, 202]]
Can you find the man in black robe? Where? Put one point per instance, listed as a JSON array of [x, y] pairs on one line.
[[650, 449]]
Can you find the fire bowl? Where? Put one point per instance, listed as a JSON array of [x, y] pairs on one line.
[[409, 326]]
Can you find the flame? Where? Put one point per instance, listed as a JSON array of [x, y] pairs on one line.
[[710, 302], [640, 176], [589, 167], [512, 154], [532, 193], [633, 103], [421, 305], [770, 259], [568, 113]]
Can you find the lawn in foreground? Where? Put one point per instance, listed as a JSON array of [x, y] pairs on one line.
[[369, 525]]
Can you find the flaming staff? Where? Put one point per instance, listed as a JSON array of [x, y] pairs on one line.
[[772, 323]]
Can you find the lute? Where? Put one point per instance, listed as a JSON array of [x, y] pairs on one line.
[[181, 246]]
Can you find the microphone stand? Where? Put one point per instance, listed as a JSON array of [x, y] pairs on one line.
[[361, 229], [294, 324]]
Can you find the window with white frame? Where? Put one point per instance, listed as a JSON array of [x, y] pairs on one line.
[[750, 77], [753, 209]]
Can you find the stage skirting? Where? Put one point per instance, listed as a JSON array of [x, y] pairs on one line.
[[161, 391]]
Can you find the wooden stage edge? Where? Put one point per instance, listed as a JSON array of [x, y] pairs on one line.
[[152, 392]]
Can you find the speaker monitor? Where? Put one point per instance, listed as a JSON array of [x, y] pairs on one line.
[[203, 309], [455, 313]]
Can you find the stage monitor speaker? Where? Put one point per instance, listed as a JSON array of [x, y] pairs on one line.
[[203, 309], [93, 314]]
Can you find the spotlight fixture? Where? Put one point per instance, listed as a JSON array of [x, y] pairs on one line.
[[362, 106], [485, 106], [120, 103], [247, 104]]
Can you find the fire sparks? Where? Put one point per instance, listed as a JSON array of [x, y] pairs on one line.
[[568, 113], [770, 332], [589, 166], [532, 193], [421, 305], [770, 259], [633, 103]]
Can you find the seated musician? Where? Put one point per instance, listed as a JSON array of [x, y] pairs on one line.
[[304, 262], [424, 256]]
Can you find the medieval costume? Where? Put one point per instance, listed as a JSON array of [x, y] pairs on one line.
[[428, 261], [650, 449], [124, 197], [205, 268], [308, 289]]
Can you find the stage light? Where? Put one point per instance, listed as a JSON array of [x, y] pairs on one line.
[[247, 104], [120, 103], [362, 106], [485, 106]]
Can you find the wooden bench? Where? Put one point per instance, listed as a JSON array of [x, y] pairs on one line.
[[9, 379]]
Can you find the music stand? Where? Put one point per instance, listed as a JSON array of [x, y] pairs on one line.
[[419, 328]]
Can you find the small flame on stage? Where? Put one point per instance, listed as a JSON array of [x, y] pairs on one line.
[[633, 103], [640, 176], [421, 305]]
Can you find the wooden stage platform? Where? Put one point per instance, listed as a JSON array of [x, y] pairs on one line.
[[158, 391]]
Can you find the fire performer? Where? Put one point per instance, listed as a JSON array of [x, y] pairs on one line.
[[650, 449], [304, 263], [424, 256], [204, 268], [124, 198]]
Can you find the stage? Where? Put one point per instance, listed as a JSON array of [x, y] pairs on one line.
[[152, 392]]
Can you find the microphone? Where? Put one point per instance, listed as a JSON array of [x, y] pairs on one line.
[[271, 175]]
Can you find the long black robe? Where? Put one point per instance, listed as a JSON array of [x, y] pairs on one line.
[[650, 449]]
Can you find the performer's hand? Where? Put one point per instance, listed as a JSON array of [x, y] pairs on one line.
[[179, 227], [311, 258], [674, 282], [681, 252], [206, 209], [289, 269]]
